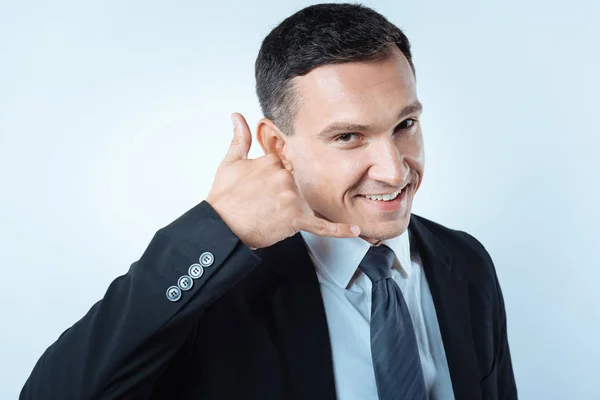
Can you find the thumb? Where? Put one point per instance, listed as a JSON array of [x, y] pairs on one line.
[[242, 139]]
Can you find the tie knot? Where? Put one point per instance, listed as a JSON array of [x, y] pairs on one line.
[[377, 263]]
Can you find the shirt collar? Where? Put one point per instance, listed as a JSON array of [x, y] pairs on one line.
[[338, 258]]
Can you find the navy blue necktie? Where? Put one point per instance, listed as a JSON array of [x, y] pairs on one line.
[[394, 348]]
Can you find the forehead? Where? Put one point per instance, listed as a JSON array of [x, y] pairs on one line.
[[370, 92]]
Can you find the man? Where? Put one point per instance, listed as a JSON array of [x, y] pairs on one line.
[[303, 275]]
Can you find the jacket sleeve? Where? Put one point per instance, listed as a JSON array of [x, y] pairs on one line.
[[124, 342], [504, 383], [507, 388]]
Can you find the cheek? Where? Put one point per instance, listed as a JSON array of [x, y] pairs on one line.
[[416, 160], [413, 152], [308, 173], [325, 177]]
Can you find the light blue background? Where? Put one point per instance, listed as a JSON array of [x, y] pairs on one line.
[[114, 116]]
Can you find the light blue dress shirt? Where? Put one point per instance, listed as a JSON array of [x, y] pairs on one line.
[[346, 293]]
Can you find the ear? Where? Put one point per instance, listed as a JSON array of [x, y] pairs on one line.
[[273, 141]]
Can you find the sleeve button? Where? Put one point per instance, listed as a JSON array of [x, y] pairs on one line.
[[185, 283], [195, 271], [207, 259], [173, 293]]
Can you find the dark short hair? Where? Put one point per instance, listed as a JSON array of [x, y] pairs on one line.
[[318, 35]]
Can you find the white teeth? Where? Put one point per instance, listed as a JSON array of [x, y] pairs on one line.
[[384, 197]]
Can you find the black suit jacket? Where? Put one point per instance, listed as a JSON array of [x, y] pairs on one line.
[[254, 326]]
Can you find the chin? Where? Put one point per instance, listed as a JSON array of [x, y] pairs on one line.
[[385, 231]]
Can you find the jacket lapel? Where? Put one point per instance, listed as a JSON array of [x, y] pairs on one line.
[[450, 296], [300, 323]]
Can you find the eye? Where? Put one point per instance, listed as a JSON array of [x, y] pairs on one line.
[[403, 126], [345, 137]]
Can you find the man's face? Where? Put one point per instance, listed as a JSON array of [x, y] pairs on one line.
[[352, 139]]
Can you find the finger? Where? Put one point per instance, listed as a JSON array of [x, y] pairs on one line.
[[322, 227], [242, 139]]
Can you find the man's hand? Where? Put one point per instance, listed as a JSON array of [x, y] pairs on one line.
[[259, 200]]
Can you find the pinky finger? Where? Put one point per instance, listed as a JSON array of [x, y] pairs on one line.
[[321, 227]]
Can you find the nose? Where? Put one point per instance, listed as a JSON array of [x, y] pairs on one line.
[[388, 165]]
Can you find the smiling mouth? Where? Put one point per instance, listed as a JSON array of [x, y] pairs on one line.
[[385, 196]]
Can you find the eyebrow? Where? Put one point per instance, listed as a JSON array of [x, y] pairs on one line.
[[349, 127]]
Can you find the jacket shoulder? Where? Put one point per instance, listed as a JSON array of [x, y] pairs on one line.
[[469, 256], [454, 239]]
